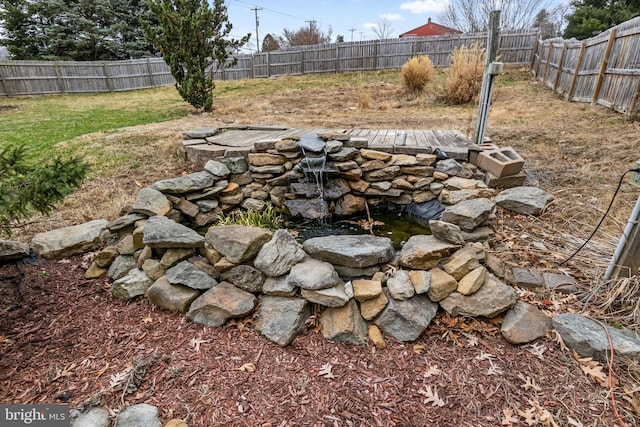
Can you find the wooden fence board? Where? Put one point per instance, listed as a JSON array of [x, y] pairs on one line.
[[604, 69], [42, 77]]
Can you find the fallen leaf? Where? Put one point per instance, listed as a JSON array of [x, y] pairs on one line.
[[544, 416], [485, 356], [530, 416], [529, 383], [65, 372], [431, 396], [594, 369], [99, 372], [508, 417], [537, 350], [558, 338], [325, 371], [432, 371], [147, 320], [633, 398], [247, 367], [473, 340], [418, 348], [195, 342], [494, 369]]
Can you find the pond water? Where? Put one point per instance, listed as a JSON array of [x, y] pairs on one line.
[[396, 226]]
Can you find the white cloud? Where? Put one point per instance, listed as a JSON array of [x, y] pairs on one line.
[[392, 17], [424, 6], [369, 26]]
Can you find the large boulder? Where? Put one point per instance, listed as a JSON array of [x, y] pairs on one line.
[[278, 255], [238, 243], [221, 303], [590, 339], [68, 241], [151, 202], [423, 252], [524, 200], [282, 319], [161, 232], [406, 320], [351, 250]]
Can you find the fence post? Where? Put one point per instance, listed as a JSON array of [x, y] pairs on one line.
[[603, 66], [577, 71], [268, 64], [337, 57], [105, 68], [560, 64], [375, 55], [302, 61], [4, 84], [535, 51], [59, 80], [632, 106], [151, 80], [546, 66]]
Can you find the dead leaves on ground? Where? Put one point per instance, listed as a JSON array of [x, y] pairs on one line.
[[325, 371], [595, 370], [431, 396]]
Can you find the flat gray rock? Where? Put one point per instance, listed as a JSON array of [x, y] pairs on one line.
[[186, 274], [68, 241], [312, 143], [236, 165], [151, 202], [217, 169], [94, 417], [176, 298], [406, 320], [196, 181], [140, 415], [134, 284], [351, 250], [245, 277], [125, 221], [313, 274], [452, 168], [238, 243], [334, 296], [447, 232], [278, 255], [200, 133], [493, 298], [10, 250], [589, 338], [524, 200], [161, 232], [120, 266], [281, 319], [278, 287], [400, 286], [468, 214], [424, 252], [221, 303], [524, 323], [344, 324]]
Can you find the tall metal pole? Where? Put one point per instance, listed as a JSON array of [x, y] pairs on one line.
[[624, 262], [256, 9], [487, 79]]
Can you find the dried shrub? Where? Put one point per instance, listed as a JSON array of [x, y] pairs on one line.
[[464, 78], [416, 73], [364, 100]]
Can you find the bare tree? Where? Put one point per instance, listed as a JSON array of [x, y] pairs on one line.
[[304, 36], [383, 29], [473, 15]]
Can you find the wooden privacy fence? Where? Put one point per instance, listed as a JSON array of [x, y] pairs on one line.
[[43, 77], [604, 69]]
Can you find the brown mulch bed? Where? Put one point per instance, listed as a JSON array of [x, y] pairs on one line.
[[71, 341]]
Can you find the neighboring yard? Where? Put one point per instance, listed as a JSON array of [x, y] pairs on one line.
[[72, 336]]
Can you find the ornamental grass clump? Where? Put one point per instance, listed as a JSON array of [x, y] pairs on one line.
[[464, 78], [416, 74], [268, 218]]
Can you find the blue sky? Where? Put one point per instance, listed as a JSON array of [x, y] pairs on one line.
[[340, 15]]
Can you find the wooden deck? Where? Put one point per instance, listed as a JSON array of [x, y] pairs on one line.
[[241, 140]]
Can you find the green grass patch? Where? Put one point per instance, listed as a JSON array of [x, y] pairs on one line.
[[43, 121]]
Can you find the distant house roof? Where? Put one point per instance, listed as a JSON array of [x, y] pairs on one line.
[[430, 29]]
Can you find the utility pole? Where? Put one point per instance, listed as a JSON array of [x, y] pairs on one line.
[[256, 9], [352, 30], [311, 24]]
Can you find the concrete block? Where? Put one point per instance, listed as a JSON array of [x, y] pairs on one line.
[[477, 149], [500, 162]]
